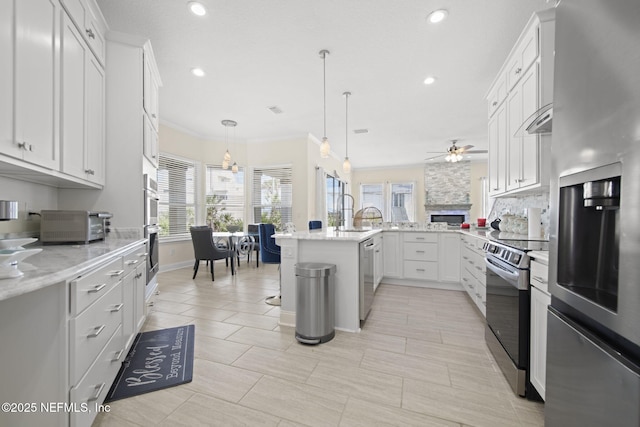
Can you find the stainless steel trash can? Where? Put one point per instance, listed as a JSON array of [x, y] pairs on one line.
[[315, 283]]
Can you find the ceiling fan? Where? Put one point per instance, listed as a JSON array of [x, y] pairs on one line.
[[454, 152]]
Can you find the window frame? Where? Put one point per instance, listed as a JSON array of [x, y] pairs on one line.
[[162, 190], [256, 198]]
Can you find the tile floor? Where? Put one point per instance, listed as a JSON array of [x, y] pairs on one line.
[[420, 360]]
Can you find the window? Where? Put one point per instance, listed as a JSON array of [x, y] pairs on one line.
[[224, 197], [272, 195], [397, 203], [402, 202], [372, 195], [335, 191], [177, 193]]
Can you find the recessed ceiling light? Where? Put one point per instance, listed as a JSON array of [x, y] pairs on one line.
[[429, 80], [437, 16], [199, 72], [197, 8]]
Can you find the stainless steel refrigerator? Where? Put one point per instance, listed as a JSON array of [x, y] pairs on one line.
[[593, 349]]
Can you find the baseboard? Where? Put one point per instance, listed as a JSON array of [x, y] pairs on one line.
[[423, 284], [287, 318], [176, 266]]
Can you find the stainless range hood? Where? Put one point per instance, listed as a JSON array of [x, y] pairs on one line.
[[538, 123]]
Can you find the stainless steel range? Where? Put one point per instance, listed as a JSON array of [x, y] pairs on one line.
[[508, 302]]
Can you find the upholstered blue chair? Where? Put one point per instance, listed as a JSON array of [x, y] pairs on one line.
[[315, 225], [270, 253]]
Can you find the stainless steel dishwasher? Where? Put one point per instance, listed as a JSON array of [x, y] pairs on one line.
[[366, 277]]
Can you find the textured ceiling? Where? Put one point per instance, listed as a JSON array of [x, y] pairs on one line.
[[260, 53]]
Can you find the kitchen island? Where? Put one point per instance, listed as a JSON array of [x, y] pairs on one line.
[[324, 246]]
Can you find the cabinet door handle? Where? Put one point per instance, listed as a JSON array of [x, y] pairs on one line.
[[115, 273], [139, 275], [518, 70], [96, 331], [496, 189], [540, 279], [117, 308], [22, 145], [99, 389], [97, 288], [153, 115], [494, 103], [90, 33], [117, 356]]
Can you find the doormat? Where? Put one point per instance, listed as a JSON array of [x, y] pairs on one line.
[[157, 360]]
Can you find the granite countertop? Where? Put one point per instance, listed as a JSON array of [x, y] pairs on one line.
[[59, 263]]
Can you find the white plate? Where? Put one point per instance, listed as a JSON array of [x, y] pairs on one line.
[[16, 243]]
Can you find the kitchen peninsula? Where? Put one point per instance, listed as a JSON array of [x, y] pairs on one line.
[[326, 246]]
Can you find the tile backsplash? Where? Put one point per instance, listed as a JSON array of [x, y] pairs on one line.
[[518, 205]]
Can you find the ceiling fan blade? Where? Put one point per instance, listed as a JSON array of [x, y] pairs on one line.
[[435, 157], [465, 148], [476, 152]]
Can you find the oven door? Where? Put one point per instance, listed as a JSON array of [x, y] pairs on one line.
[[508, 308], [151, 233]]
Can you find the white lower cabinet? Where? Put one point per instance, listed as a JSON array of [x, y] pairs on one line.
[[392, 249], [378, 260], [449, 257], [540, 300], [473, 271], [420, 255], [133, 286]]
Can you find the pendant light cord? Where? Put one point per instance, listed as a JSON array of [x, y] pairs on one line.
[[324, 86], [346, 124]]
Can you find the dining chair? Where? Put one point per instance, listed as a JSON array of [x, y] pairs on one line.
[[315, 225], [270, 254], [254, 233], [205, 249]]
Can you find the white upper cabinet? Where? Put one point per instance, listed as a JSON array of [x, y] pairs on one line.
[[81, 108], [519, 161], [88, 18], [6, 76], [150, 88], [36, 65]]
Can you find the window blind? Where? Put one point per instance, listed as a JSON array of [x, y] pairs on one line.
[[272, 195], [225, 198], [177, 193]]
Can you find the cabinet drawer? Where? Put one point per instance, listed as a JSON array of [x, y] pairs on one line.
[[421, 251], [134, 258], [468, 282], [93, 388], [88, 288], [422, 270], [420, 237], [540, 276], [89, 332]]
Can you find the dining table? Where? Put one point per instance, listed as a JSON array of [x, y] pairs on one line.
[[239, 242]]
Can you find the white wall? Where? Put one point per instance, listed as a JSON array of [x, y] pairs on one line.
[[36, 197]]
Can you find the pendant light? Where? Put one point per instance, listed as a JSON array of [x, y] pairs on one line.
[[227, 157], [346, 165], [324, 146]]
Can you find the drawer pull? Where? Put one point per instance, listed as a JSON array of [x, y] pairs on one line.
[[132, 262], [96, 331], [117, 308], [478, 268], [99, 389], [139, 275], [117, 356], [143, 254], [115, 273], [419, 238], [150, 304], [419, 269], [97, 288], [471, 262], [419, 252], [465, 279], [464, 257], [540, 279]]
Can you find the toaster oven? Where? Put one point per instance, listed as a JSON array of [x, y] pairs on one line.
[[62, 226]]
